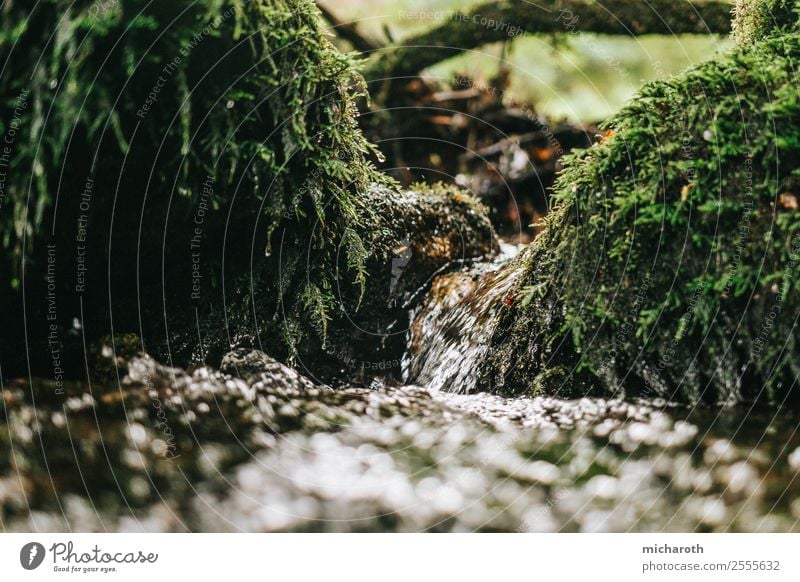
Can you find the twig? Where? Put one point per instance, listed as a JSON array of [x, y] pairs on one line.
[[348, 31]]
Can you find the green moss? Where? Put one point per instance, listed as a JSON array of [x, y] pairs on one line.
[[671, 263], [221, 128], [757, 19], [412, 235]]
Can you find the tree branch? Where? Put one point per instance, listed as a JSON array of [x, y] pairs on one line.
[[347, 30], [498, 21]]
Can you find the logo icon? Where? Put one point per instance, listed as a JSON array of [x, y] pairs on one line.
[[31, 555]]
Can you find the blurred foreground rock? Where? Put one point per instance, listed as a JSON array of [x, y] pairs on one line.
[[175, 450]]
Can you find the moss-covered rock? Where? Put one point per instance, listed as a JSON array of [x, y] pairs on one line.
[[358, 332], [671, 264], [165, 158]]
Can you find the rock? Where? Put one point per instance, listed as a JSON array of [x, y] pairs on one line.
[[220, 192], [412, 235], [667, 267], [203, 450], [255, 366]]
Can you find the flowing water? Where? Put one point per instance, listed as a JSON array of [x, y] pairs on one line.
[[257, 447], [450, 332]]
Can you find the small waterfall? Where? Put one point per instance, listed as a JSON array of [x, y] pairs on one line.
[[451, 330]]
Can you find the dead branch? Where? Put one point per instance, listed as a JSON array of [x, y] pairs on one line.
[[499, 21]]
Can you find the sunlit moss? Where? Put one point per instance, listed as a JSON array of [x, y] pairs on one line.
[[671, 264], [754, 20]]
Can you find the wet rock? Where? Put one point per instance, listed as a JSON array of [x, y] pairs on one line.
[[266, 450], [256, 366], [416, 235], [407, 237]]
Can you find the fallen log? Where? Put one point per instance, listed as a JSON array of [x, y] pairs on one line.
[[500, 21]]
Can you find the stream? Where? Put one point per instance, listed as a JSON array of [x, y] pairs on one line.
[[255, 446]]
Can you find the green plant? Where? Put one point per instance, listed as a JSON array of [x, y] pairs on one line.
[[178, 134], [671, 264]]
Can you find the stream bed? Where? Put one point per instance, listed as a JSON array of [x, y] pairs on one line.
[[171, 450], [256, 446]]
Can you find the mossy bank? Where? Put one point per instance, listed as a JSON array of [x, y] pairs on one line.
[[671, 264], [166, 159]]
